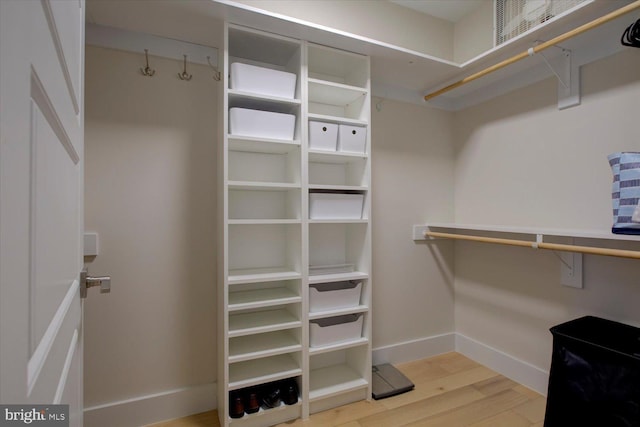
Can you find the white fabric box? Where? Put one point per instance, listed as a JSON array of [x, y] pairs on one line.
[[335, 206], [331, 296], [264, 81], [323, 136], [334, 330], [261, 124], [352, 139]]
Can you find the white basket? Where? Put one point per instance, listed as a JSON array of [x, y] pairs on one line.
[[352, 139], [323, 136], [335, 205], [329, 296], [264, 81], [261, 124], [335, 330]]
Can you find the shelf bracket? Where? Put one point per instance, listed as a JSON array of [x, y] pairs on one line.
[[568, 75]]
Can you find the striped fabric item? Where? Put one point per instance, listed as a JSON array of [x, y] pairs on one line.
[[625, 193]]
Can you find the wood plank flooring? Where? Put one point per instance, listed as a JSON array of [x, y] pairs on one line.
[[451, 391]]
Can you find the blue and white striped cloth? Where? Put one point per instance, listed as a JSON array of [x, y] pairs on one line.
[[625, 193]]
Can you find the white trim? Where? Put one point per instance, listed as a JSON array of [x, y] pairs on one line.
[[415, 349], [507, 365], [152, 408], [131, 41], [65, 370], [44, 346]]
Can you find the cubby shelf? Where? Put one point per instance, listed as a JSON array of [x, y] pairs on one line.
[[325, 92], [337, 157], [337, 119], [262, 345], [257, 185], [261, 321], [262, 145], [257, 298], [235, 95], [332, 380], [340, 346], [338, 312], [338, 187], [338, 277], [262, 275], [260, 371], [264, 199]]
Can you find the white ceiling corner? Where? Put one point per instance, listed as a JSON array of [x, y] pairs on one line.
[[450, 10]]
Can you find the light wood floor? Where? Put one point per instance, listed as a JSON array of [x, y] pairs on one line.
[[451, 391]]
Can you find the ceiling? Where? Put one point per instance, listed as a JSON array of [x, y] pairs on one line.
[[450, 10]]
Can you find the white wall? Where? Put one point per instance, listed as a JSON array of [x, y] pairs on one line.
[[473, 34], [520, 161], [377, 20], [150, 195], [412, 182]]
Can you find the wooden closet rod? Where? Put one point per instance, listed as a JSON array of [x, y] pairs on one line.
[[542, 46], [538, 245]]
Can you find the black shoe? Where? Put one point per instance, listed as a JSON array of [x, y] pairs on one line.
[[271, 397], [236, 405], [289, 392]]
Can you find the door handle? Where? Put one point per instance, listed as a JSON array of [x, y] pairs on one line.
[[87, 282]]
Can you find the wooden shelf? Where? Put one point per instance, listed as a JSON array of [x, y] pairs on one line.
[[338, 312], [260, 371], [262, 345], [261, 322], [334, 380], [558, 232], [257, 298], [262, 275]]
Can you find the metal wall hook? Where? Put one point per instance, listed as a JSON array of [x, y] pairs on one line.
[[184, 75], [147, 71], [216, 73]]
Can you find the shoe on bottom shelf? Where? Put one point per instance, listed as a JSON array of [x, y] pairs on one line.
[[289, 391], [252, 402], [236, 405], [271, 397]]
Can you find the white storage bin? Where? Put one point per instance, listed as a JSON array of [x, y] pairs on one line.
[[335, 205], [334, 330], [323, 136], [328, 296], [264, 81], [352, 139], [261, 124]]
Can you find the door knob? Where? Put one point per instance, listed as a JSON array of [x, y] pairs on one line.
[[87, 282]]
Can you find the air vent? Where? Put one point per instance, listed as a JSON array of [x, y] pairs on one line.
[[515, 17]]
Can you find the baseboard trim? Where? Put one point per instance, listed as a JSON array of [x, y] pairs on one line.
[[507, 365], [153, 408], [414, 349]]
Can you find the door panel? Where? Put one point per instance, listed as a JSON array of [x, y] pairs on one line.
[[41, 202]]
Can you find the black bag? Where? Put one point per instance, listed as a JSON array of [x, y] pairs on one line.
[[595, 375]]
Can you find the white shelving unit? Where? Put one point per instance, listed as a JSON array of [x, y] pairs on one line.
[[268, 241]]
